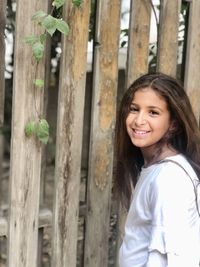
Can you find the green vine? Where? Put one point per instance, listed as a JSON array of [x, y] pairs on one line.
[[40, 129], [50, 24]]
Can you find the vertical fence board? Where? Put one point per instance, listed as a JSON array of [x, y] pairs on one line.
[[137, 63], [105, 75], [168, 36], [69, 135], [192, 68], [2, 58], [138, 46], [25, 153], [2, 82]]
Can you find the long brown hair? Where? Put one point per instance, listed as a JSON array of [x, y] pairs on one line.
[[185, 139]]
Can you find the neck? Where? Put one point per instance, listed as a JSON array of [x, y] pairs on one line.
[[149, 158]]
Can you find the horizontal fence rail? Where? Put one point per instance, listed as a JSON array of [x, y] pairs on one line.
[[45, 219]]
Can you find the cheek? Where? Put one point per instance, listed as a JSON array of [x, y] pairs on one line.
[[128, 121], [164, 126]]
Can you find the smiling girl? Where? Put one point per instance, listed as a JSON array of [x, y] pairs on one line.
[[158, 154]]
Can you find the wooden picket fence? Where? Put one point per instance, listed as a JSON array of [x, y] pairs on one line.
[[26, 221]]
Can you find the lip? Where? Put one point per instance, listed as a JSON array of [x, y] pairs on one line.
[[140, 133]]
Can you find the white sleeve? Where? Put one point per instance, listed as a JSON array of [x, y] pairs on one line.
[[156, 259], [169, 201]]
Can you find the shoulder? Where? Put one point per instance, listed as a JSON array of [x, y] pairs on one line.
[[175, 177], [177, 168]]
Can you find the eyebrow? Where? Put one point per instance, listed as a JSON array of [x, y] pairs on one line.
[[150, 107]]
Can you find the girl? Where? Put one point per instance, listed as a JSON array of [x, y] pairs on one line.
[[158, 154]]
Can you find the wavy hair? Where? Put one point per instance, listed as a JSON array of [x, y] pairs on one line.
[[185, 139]]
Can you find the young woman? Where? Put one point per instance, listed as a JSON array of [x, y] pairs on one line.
[[158, 171]]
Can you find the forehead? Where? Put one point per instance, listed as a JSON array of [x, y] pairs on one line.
[[148, 96]]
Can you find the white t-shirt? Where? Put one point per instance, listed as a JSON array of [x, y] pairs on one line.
[[163, 226]]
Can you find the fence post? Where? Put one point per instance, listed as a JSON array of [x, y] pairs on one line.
[[168, 36], [25, 153], [138, 45], [3, 5], [105, 75], [192, 66], [69, 134], [137, 64]]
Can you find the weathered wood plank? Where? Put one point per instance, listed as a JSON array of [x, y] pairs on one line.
[[138, 45], [105, 75], [192, 66], [2, 83], [25, 153], [3, 227], [69, 135], [45, 219], [137, 64], [2, 58], [168, 36]]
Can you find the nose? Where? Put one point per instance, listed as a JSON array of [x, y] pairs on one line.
[[140, 119]]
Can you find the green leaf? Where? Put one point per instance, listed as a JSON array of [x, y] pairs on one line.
[[58, 3], [125, 32], [30, 128], [39, 83], [40, 14], [77, 2], [62, 26], [31, 39], [43, 38], [49, 23], [42, 131], [38, 50], [123, 43]]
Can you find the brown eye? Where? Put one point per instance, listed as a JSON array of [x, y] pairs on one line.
[[153, 112], [133, 109]]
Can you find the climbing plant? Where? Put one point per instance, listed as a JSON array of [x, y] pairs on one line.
[[50, 23]]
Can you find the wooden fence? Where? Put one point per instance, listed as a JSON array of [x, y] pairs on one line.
[[23, 228]]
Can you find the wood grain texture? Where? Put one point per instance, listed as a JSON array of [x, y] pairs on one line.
[[25, 152], [137, 64], [192, 66], [168, 36], [45, 219], [3, 5], [138, 46], [69, 135], [2, 85], [105, 74]]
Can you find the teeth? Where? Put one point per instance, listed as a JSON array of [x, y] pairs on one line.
[[140, 132]]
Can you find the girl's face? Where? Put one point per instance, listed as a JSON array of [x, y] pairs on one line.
[[148, 119]]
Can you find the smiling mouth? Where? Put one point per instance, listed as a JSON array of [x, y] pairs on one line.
[[140, 132]]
